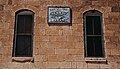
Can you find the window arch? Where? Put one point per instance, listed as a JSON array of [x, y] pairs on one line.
[[23, 33], [93, 34]]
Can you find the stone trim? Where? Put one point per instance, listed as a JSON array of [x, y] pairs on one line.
[[92, 59], [22, 59]]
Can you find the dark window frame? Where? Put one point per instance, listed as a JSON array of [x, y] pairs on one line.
[[16, 34], [93, 13]]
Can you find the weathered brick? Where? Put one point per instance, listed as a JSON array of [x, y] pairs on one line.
[[61, 38], [100, 3], [110, 45], [78, 57], [114, 65], [9, 2], [60, 46], [115, 52], [0, 30], [44, 38], [68, 45], [112, 27], [118, 64], [87, 3], [114, 15], [42, 20], [52, 32], [56, 45], [60, 2], [74, 58], [52, 38], [75, 51], [38, 65], [74, 64], [79, 45], [109, 33], [52, 58], [74, 38], [114, 39], [73, 3], [52, 64], [80, 64], [61, 51], [65, 65], [115, 9], [105, 66], [113, 3], [1, 7], [56, 58], [26, 2], [67, 32], [3, 2], [114, 20], [40, 58]]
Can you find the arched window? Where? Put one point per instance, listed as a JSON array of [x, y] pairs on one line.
[[23, 34], [93, 34]]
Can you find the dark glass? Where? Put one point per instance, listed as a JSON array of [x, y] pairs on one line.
[[20, 24], [23, 46], [93, 25], [90, 47], [93, 34], [24, 24], [94, 46], [89, 25], [28, 24], [98, 46], [97, 25]]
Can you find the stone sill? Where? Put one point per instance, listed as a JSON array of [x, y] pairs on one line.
[[91, 59], [22, 59]]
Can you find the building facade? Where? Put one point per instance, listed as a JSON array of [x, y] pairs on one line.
[[90, 40]]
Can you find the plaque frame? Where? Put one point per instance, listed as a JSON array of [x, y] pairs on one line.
[[58, 22]]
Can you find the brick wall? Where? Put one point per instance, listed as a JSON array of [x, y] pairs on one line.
[[60, 46]]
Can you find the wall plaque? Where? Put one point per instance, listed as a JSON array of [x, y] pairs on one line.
[[59, 15]]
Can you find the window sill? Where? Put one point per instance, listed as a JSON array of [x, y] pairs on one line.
[[22, 59], [91, 59]]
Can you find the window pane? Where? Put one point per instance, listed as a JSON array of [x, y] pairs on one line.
[[23, 34], [20, 24], [28, 44], [93, 25], [97, 25], [94, 46], [28, 24], [90, 46], [19, 46], [98, 46], [24, 24], [93, 34], [23, 46], [89, 25]]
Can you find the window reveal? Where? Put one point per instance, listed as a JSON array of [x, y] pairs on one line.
[[23, 36], [93, 34]]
